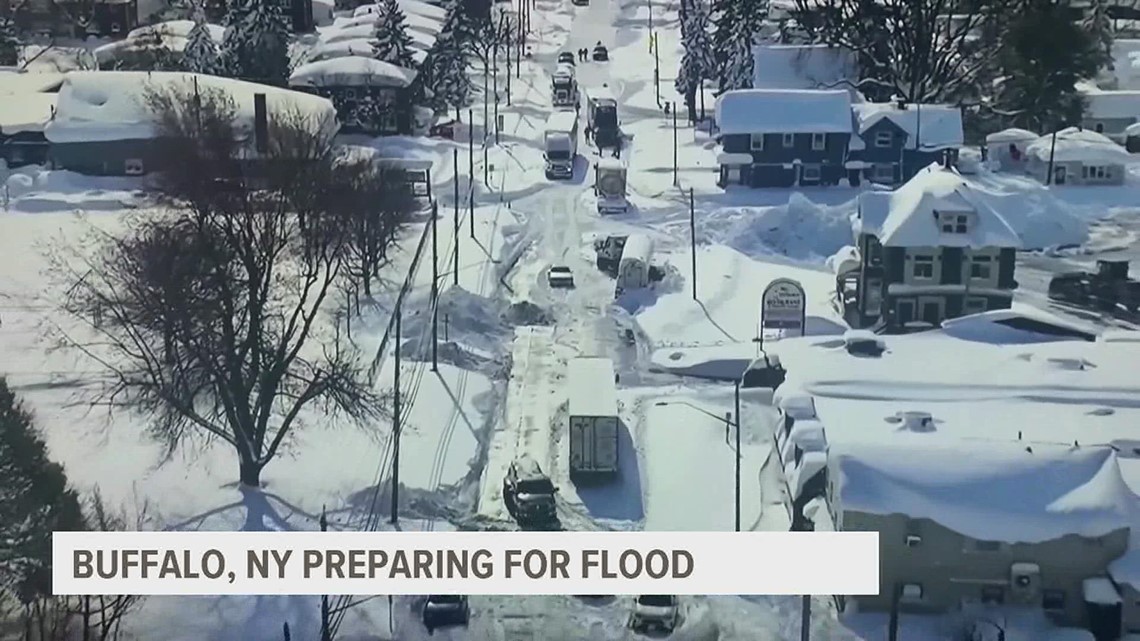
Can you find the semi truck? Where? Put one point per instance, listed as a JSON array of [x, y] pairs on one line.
[[609, 186], [560, 144], [602, 118], [564, 87], [593, 419]]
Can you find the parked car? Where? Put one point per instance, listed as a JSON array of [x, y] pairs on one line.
[[860, 342], [654, 612], [560, 276], [529, 495], [444, 130], [566, 58], [442, 610], [766, 371], [580, 3], [601, 54]]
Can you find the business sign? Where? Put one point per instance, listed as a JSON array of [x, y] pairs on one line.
[[783, 306]]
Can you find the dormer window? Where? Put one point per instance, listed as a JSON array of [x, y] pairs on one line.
[[953, 223]]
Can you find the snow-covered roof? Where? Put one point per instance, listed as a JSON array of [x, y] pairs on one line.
[[110, 105], [351, 71], [1132, 130], [753, 111], [173, 28], [19, 82], [938, 126], [906, 216], [1001, 491], [608, 162], [562, 121], [1013, 134], [780, 66], [420, 39], [1079, 145], [409, 7], [28, 112], [359, 47], [592, 387], [639, 247], [1100, 103], [413, 21], [172, 35]]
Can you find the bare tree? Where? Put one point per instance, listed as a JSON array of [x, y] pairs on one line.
[[212, 318], [489, 39], [920, 50]]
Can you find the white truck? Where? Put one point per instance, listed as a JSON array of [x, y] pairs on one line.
[[609, 186], [593, 418], [633, 270], [564, 87], [560, 144]]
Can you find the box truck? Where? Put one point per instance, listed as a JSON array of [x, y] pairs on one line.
[[593, 419], [560, 144]]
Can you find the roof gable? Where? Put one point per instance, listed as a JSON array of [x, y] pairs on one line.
[[934, 127]]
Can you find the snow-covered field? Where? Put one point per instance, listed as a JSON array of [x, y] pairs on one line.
[[505, 338]]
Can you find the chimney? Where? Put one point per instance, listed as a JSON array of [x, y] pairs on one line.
[[260, 123]]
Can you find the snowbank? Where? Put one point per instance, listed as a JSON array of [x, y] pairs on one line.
[[111, 105], [32, 189], [800, 230], [27, 112], [17, 82], [1000, 492]]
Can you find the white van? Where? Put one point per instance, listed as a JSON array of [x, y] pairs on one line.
[[633, 270]]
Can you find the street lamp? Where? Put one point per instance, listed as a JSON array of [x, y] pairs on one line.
[[727, 423]]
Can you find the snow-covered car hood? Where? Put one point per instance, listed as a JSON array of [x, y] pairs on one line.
[[653, 611], [536, 499], [443, 606]]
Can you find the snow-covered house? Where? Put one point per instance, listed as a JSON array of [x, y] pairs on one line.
[[932, 249], [22, 121], [370, 95], [1005, 149], [102, 124], [143, 46], [359, 47], [76, 18], [1109, 112], [899, 139], [779, 66], [783, 137], [1002, 522], [1077, 157], [420, 40]]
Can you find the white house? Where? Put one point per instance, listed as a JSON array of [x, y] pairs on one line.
[[1006, 148], [1077, 157], [1109, 112]]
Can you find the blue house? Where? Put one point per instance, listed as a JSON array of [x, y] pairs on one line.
[[783, 137], [896, 140]]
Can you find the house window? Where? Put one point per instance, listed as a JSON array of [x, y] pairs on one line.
[[1099, 127], [884, 139], [993, 594], [981, 267], [1053, 600], [133, 167], [883, 173], [975, 305], [1094, 172], [818, 142], [923, 267], [757, 142], [789, 140], [955, 223], [810, 173], [387, 121], [911, 592]]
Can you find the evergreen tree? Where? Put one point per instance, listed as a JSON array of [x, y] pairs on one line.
[[201, 53], [391, 42], [256, 44], [697, 63], [1098, 24], [736, 24], [740, 64], [9, 42], [445, 75], [34, 501], [1037, 87]]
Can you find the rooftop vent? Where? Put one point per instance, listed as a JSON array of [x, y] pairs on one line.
[[913, 421]]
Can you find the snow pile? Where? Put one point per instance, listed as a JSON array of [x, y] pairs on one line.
[[1005, 491], [784, 111], [172, 36], [27, 112], [33, 189], [19, 82], [111, 105], [1078, 145], [800, 230], [1014, 327], [1011, 135], [843, 261]]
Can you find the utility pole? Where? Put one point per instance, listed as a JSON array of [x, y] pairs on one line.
[[495, 73], [693, 239], [435, 287], [507, 34], [805, 618], [657, 69], [455, 222], [470, 187], [673, 107], [497, 117], [521, 41], [737, 399], [396, 421], [486, 166], [326, 633], [1052, 150]]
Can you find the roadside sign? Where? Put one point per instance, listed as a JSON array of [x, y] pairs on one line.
[[783, 307]]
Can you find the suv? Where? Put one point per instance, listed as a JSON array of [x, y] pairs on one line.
[[601, 54], [529, 495], [654, 612], [560, 276], [566, 58]]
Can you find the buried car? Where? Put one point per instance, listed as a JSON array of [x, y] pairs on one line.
[[442, 610], [560, 276], [529, 495], [601, 54], [566, 58], [655, 612]]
